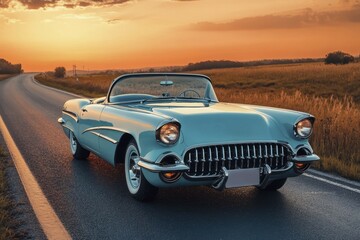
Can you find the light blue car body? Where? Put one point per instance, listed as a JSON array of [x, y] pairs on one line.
[[105, 129]]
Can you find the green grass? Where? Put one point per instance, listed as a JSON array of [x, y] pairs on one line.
[[331, 93]]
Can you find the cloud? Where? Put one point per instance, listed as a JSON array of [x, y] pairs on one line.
[[305, 18], [4, 3], [37, 4], [8, 20], [114, 20]]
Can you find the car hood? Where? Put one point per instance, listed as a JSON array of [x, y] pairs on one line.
[[225, 122]]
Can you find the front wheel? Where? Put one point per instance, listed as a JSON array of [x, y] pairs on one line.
[[137, 184], [77, 150], [274, 185]]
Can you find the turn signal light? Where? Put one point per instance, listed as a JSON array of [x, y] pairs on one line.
[[302, 167], [170, 176]]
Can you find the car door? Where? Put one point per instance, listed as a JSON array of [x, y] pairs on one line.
[[89, 126]]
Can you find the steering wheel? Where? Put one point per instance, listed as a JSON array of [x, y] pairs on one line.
[[189, 90]]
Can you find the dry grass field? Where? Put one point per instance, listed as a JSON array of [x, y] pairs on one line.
[[5, 76], [7, 223], [313, 79], [331, 93]]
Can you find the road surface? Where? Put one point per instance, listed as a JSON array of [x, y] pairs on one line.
[[91, 199]]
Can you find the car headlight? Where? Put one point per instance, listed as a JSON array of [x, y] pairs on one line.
[[168, 133], [304, 128]]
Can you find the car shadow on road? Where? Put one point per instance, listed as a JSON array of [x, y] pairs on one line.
[[188, 212]]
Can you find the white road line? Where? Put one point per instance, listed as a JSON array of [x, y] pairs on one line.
[[49, 221], [332, 183], [335, 178]]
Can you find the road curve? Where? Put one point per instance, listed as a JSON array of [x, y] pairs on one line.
[[91, 199]]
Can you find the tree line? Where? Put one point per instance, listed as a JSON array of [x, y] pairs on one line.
[[231, 64], [337, 57], [8, 68]]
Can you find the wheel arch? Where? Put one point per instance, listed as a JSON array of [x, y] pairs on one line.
[[121, 148]]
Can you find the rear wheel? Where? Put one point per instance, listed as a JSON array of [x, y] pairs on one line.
[[274, 185], [137, 184], [77, 150]]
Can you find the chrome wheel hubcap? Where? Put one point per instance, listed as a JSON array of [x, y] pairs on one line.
[[73, 143], [134, 171]]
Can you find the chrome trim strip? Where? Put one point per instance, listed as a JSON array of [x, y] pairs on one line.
[[163, 155], [64, 126], [157, 168], [108, 139], [71, 114], [105, 137], [306, 158], [61, 121], [289, 165], [104, 128], [125, 76]]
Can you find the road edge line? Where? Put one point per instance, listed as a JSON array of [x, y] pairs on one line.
[[49, 221], [333, 177], [332, 182]]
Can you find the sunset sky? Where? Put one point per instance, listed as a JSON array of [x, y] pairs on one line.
[[121, 34]]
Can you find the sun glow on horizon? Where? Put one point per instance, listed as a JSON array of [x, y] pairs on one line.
[[123, 34]]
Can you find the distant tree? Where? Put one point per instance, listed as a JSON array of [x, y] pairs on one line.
[[60, 72], [8, 68], [151, 70], [234, 64], [211, 65], [338, 58]]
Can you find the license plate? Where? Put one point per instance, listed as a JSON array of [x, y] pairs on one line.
[[243, 177]]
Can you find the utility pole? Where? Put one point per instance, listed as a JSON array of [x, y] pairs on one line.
[[74, 71]]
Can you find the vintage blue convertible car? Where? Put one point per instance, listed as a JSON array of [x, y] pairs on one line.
[[170, 130]]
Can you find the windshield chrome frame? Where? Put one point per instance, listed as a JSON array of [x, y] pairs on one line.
[[132, 75]]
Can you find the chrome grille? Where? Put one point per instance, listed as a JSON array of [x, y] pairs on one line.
[[208, 160]]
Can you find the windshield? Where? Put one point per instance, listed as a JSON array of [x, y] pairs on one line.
[[160, 87]]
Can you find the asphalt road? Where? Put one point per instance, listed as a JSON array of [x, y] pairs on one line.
[[91, 199]]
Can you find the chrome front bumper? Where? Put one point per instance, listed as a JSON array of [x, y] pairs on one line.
[[219, 182], [157, 168]]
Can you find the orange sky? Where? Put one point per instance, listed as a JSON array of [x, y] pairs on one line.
[[118, 34]]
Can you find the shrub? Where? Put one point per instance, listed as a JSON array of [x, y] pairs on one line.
[[60, 72], [338, 58]]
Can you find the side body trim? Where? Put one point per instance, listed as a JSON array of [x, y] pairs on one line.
[[71, 114], [104, 137]]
